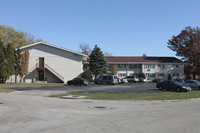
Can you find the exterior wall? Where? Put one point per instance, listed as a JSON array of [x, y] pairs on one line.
[[159, 70], [66, 64], [175, 69], [127, 71]]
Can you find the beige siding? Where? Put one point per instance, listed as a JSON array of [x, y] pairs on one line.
[[66, 64]]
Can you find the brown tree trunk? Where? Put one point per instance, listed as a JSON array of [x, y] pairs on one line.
[[15, 78], [194, 76]]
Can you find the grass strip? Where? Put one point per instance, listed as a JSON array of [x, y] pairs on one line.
[[6, 90], [29, 85], [140, 96]]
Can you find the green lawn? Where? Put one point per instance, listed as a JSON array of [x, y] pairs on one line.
[[5, 87], [141, 96]]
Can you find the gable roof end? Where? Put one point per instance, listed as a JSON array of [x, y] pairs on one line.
[[50, 45]]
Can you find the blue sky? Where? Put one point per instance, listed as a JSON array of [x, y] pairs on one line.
[[120, 27]]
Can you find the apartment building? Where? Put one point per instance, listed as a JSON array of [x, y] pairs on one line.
[[152, 67]]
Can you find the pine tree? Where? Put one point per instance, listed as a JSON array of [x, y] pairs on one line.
[[3, 72], [97, 62], [17, 63], [10, 60]]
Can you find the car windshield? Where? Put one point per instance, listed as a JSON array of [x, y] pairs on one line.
[[178, 83], [197, 82]]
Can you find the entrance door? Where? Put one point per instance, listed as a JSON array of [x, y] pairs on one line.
[[41, 75], [41, 63]]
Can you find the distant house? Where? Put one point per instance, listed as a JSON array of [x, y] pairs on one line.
[[152, 67], [52, 64]]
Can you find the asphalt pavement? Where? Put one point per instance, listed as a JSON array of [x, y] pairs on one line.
[[120, 88], [31, 113]]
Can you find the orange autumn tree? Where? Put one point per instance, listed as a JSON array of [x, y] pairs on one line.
[[24, 64], [187, 46]]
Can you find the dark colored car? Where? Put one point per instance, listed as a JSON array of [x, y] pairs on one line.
[[194, 84], [78, 81], [173, 85]]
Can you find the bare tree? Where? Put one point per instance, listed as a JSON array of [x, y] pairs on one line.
[[107, 54], [85, 48]]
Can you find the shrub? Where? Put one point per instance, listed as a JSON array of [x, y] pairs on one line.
[[87, 75], [169, 77], [142, 75]]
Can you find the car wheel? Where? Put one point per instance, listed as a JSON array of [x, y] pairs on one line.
[[69, 84], [108, 83], [160, 88]]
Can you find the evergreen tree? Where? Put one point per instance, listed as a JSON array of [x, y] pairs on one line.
[[87, 75], [10, 52], [142, 75], [3, 72], [169, 77], [97, 62], [17, 63]]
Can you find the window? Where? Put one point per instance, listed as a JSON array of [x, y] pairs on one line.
[[148, 66], [175, 74], [161, 75], [121, 75], [134, 66], [161, 66], [121, 66], [151, 75], [85, 66]]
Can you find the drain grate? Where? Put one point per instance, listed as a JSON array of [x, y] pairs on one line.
[[100, 107]]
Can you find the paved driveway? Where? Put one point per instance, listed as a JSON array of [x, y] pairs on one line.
[[121, 88], [22, 113]]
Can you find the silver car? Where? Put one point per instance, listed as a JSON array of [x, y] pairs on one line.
[[194, 84]]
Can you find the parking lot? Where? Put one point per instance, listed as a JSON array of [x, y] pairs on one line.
[[28, 111], [120, 88]]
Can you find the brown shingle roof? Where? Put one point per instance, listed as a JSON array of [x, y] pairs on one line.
[[142, 59]]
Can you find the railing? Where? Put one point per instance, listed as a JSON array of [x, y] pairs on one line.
[[53, 71]]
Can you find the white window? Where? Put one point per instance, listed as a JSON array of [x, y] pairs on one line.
[[148, 66], [121, 66]]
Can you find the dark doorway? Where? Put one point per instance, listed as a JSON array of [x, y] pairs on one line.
[[41, 75], [41, 63]]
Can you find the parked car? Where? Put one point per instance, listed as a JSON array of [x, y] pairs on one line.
[[78, 81], [172, 85], [194, 84], [124, 80], [141, 80], [156, 80], [107, 79], [132, 79]]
